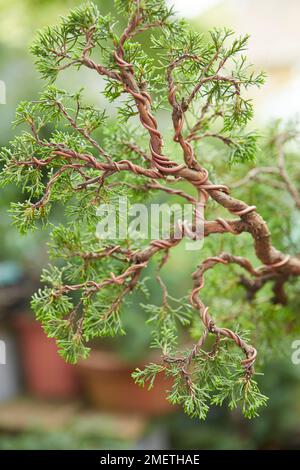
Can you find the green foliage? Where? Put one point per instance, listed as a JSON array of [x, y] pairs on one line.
[[59, 160], [147, 376], [164, 321], [244, 149], [25, 215], [221, 93], [58, 47], [152, 10], [211, 380]]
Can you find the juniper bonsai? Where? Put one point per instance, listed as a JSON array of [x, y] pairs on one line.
[[75, 155]]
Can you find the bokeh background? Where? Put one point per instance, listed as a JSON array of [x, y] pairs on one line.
[[45, 404]]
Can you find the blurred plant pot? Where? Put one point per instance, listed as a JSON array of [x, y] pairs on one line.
[[46, 374], [107, 383]]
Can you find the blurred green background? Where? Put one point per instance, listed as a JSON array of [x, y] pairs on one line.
[[26, 421]]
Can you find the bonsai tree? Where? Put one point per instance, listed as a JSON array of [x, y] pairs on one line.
[[198, 152]]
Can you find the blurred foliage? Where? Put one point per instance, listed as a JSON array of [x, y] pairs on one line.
[[74, 438]]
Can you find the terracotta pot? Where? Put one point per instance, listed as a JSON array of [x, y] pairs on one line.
[[108, 385], [46, 374]]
